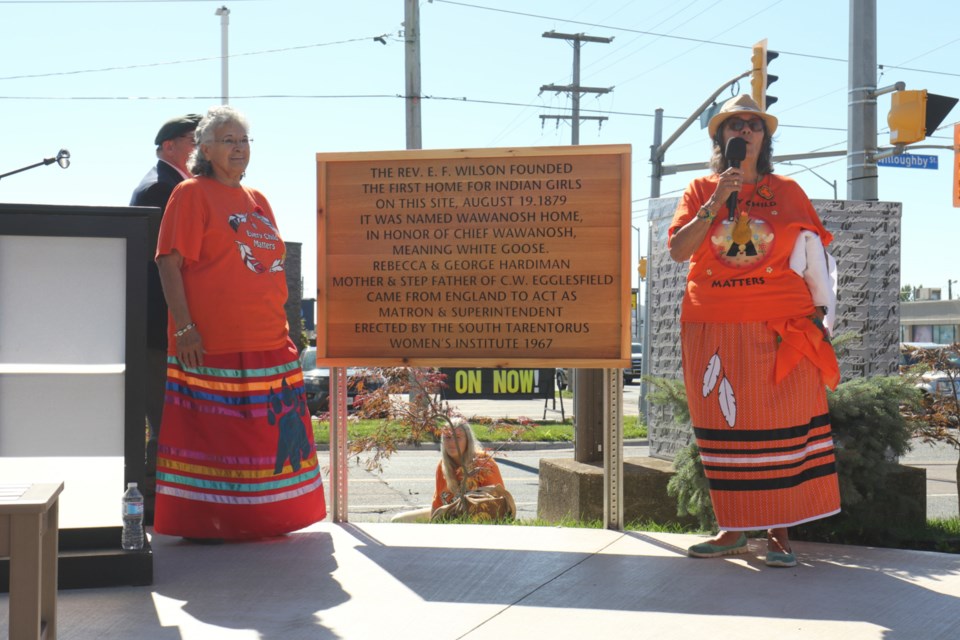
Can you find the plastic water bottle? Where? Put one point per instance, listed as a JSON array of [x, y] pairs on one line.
[[132, 538]]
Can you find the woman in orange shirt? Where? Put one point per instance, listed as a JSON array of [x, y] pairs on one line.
[[756, 354], [236, 457], [464, 466]]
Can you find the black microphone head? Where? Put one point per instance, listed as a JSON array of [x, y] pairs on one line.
[[735, 151]]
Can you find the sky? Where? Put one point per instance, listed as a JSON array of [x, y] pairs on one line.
[[99, 77]]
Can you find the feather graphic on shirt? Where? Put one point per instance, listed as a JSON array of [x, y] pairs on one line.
[[711, 374], [249, 259], [236, 220], [263, 219], [728, 402]]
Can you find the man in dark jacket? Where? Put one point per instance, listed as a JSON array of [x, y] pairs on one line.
[[174, 145]]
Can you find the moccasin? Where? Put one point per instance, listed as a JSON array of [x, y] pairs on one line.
[[780, 559], [709, 550]]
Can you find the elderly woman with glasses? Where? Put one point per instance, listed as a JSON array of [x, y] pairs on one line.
[[236, 457], [755, 321]]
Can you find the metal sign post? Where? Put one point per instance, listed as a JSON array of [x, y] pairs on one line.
[[613, 449], [338, 443]]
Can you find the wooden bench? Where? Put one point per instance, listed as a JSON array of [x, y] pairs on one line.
[[29, 537]]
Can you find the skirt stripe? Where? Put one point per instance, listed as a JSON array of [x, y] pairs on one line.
[[774, 483], [800, 455], [198, 496], [197, 470], [827, 436], [236, 457], [235, 487], [767, 447]]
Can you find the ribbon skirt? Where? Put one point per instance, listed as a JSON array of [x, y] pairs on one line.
[[766, 447], [236, 456]]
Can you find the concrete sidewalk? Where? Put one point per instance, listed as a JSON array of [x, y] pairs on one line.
[[438, 582]]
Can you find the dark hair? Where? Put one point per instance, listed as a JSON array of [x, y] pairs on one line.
[[718, 164]]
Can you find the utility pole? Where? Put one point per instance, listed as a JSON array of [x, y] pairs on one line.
[[575, 90], [862, 105], [224, 14], [587, 383], [411, 37], [656, 159]]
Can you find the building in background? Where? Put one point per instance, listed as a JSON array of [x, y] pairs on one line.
[[930, 319]]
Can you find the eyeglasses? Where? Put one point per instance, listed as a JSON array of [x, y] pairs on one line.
[[230, 142], [737, 124]]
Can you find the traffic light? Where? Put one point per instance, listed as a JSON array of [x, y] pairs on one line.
[[916, 114], [760, 80], [642, 268]]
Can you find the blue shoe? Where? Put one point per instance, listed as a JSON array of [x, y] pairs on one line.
[[708, 550], [781, 559]]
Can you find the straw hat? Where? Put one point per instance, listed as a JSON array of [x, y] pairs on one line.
[[742, 104]]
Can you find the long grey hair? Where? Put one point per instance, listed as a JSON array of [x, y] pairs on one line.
[[216, 117]]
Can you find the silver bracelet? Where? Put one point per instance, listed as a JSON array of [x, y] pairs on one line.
[[180, 332]]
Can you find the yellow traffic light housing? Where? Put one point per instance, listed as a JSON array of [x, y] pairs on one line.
[[906, 117], [760, 79], [916, 114], [642, 268]]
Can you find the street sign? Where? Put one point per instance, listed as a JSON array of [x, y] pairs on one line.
[[910, 161]]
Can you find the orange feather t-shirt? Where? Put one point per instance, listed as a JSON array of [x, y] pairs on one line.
[[741, 272], [233, 265]]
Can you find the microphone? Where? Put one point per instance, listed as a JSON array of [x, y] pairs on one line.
[[735, 151]]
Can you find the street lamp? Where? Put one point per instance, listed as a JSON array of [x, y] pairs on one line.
[[62, 158], [224, 14], [832, 184]]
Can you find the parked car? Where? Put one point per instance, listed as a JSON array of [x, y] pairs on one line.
[[316, 383], [912, 353], [940, 384], [636, 360]]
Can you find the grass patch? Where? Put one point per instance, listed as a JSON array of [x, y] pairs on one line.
[[939, 534], [537, 431], [650, 526]]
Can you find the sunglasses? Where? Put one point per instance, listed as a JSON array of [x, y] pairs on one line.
[[737, 124]]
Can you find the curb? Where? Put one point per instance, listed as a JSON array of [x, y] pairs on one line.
[[502, 446]]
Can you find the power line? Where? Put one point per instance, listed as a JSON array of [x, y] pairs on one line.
[[628, 30], [358, 96], [40, 2], [689, 39], [939, 73], [173, 62], [217, 97]]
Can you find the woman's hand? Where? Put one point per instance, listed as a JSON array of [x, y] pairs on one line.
[[730, 180], [189, 342], [689, 237], [190, 348]]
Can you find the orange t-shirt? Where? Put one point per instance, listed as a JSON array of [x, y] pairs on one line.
[[741, 272], [233, 258], [487, 473]]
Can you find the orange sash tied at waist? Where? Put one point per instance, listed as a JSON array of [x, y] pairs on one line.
[[801, 338]]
